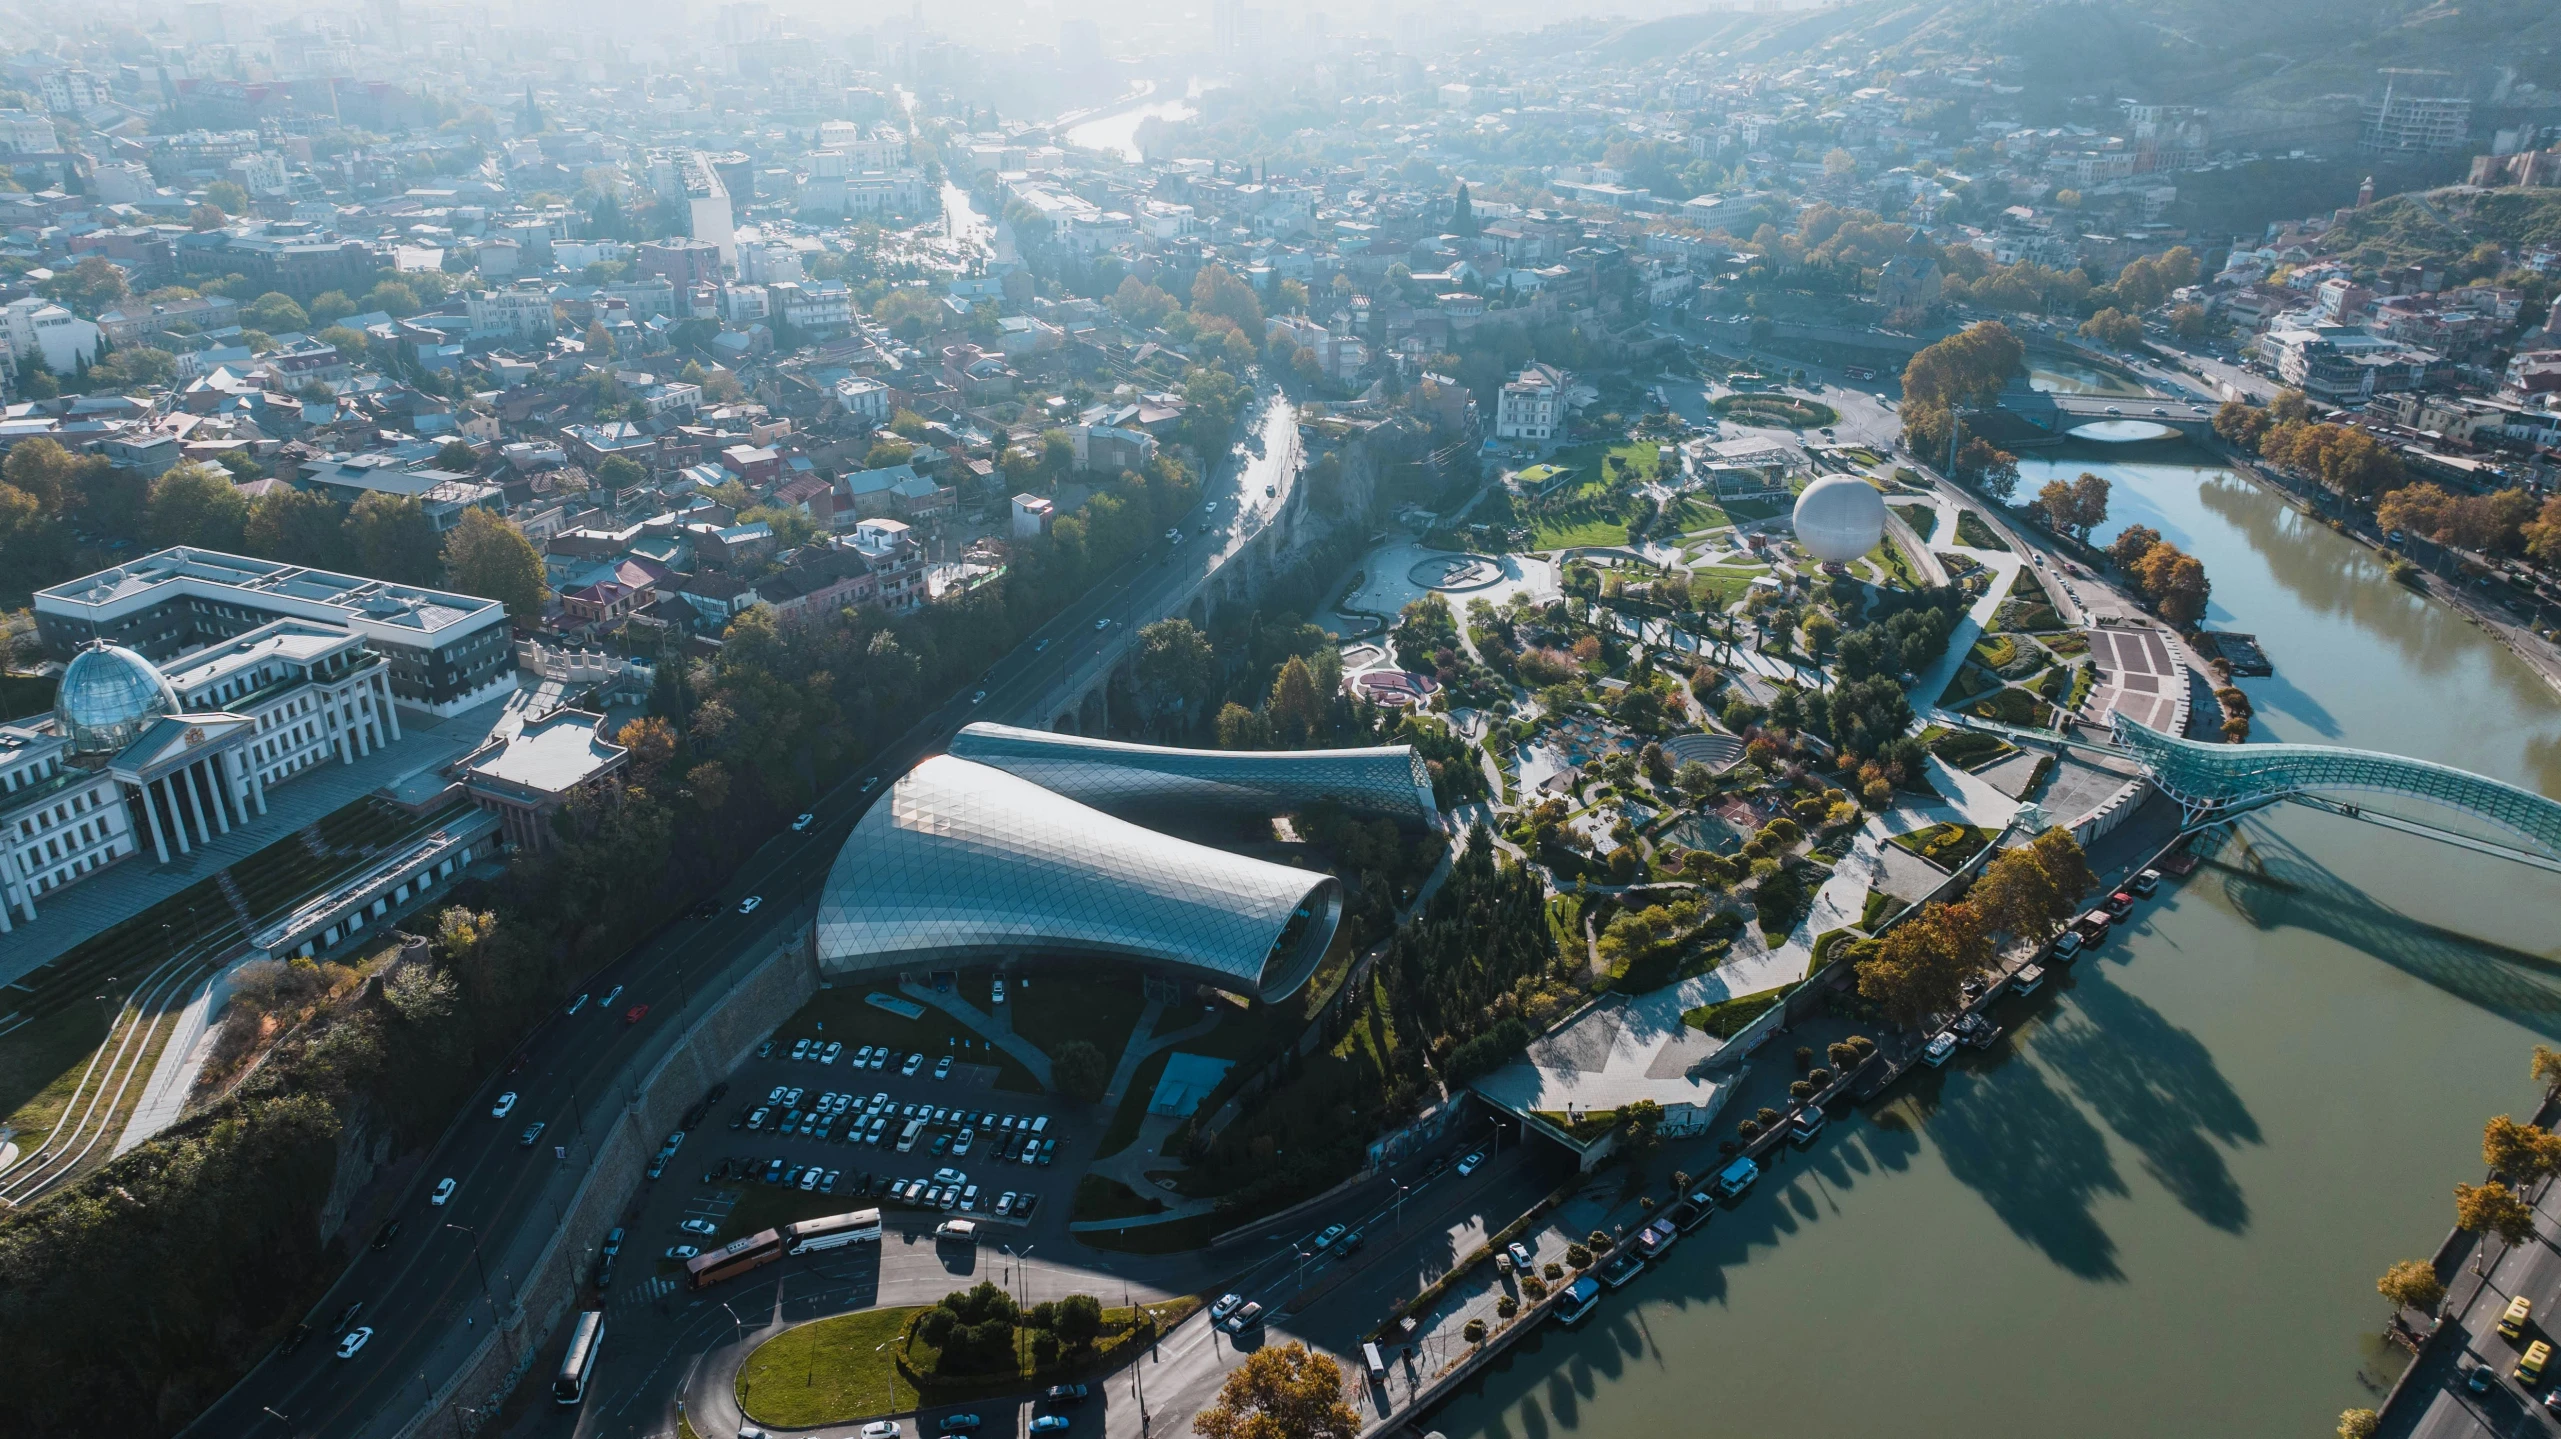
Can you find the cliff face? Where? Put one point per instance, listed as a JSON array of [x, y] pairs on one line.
[[1348, 476], [367, 1148]]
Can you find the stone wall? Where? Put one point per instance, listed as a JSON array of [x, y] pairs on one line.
[[730, 1017]]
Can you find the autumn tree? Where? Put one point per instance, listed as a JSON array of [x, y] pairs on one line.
[[1283, 1392], [2522, 1152], [488, 557], [2032, 890], [2545, 1066], [2412, 1284], [2130, 544], [2493, 1209], [1920, 968], [1296, 710]]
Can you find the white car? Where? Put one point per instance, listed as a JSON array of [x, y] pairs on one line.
[[748, 905], [862, 1057], [999, 992], [914, 1062], [1468, 1165], [699, 1226], [354, 1341], [444, 1191], [506, 1103], [950, 1176], [610, 996], [803, 822], [835, 1048], [942, 1067], [881, 1429], [682, 1251]]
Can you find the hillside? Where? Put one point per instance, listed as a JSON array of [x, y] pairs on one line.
[[2444, 226]]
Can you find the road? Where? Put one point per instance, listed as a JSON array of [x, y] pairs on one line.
[[422, 1294], [2435, 1401]]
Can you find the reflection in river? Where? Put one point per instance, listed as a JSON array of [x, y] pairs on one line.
[[2159, 1206]]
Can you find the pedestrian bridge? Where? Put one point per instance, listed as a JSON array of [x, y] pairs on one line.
[[2217, 782]]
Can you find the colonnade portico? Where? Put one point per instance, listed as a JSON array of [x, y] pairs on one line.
[[194, 788]]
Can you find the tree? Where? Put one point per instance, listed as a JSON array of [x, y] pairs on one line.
[[2089, 503], [1077, 1321], [1177, 668], [2493, 1209], [330, 305], [1296, 711], [274, 311], [1283, 1392], [1079, 1071], [1462, 213], [2522, 1152], [389, 537], [1919, 969], [2115, 328], [1217, 291], [195, 504], [2545, 1066], [302, 527], [93, 285], [2359, 1423], [228, 196], [2412, 1284], [458, 455], [488, 557], [2129, 546]]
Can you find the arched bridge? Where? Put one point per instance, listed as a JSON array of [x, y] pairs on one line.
[[2219, 781]]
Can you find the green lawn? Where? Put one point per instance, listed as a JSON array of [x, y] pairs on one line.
[[1747, 510], [2011, 706], [1728, 582], [1973, 533], [1889, 557], [1590, 513], [1095, 1003], [1697, 512], [1727, 1018], [1100, 1198], [1946, 845], [832, 1371]]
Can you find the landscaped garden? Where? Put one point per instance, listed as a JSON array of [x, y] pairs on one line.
[[1728, 1017], [1945, 845]]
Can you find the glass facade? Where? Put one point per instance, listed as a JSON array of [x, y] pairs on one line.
[[108, 696], [2213, 775], [961, 861], [1389, 781]]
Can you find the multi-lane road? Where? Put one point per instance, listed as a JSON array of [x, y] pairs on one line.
[[422, 1292]]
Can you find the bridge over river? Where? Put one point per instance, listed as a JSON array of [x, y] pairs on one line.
[[2215, 783]]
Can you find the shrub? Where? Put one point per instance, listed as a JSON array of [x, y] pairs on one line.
[[1578, 1255], [1820, 1076], [1534, 1287], [1767, 1116], [1552, 1271], [1487, 1052], [1801, 1089], [1600, 1241], [1804, 1058], [1507, 1306], [1749, 1129], [1645, 1204], [1474, 1333]]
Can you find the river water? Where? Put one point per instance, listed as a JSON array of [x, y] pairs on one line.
[[2159, 1208]]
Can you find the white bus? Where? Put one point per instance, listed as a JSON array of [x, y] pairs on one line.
[[835, 1231], [570, 1385]]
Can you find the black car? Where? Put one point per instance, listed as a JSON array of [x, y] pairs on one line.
[[1067, 1393], [388, 1232], [347, 1316], [294, 1340]]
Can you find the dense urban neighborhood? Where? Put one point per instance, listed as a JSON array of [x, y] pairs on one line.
[[1034, 720]]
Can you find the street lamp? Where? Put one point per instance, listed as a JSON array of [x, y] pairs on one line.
[[485, 1291], [1401, 1191]]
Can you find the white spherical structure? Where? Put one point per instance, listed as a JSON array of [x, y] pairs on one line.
[[1839, 518]]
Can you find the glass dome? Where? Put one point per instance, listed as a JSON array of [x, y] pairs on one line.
[[108, 696]]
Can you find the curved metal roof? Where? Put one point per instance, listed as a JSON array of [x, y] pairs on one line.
[[962, 861], [1388, 781]]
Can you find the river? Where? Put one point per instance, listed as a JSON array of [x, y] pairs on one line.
[[2160, 1207], [1117, 133]]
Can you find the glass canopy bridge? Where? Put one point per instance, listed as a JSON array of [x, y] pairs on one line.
[[2214, 783]]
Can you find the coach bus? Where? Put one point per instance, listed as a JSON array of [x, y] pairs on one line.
[[570, 1385], [736, 1257], [834, 1232]]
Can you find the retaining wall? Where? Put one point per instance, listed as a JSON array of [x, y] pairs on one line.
[[651, 1095]]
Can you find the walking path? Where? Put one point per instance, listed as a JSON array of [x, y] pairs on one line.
[[995, 1028]]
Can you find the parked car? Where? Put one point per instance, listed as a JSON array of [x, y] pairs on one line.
[[942, 1067], [699, 1226], [682, 1251], [1068, 1393], [914, 1062], [1248, 1318], [1522, 1259], [1225, 1306]]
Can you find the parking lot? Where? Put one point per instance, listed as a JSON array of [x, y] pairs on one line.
[[795, 1137]]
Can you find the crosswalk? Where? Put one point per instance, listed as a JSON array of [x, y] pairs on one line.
[[648, 1291]]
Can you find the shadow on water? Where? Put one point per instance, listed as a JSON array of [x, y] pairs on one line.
[[2275, 692], [2275, 885], [2155, 1085], [2033, 1156]]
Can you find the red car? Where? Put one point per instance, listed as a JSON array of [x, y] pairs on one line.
[[633, 1014]]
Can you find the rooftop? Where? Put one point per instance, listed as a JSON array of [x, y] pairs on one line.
[[549, 756], [179, 570]]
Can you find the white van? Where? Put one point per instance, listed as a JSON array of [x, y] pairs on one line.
[[907, 1137], [959, 1231], [1377, 1362]]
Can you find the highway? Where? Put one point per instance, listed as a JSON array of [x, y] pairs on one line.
[[422, 1293]]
